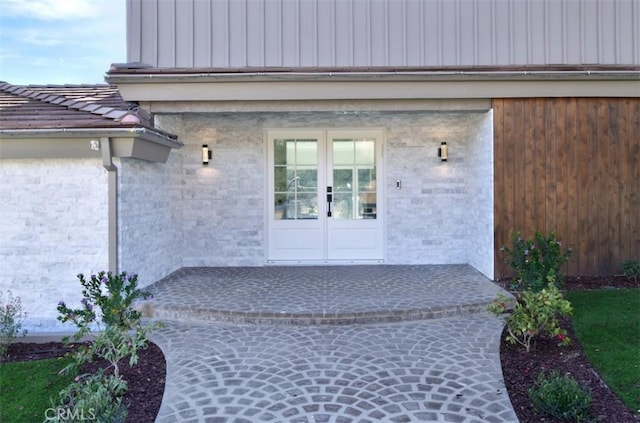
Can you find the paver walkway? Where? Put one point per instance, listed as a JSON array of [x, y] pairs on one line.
[[331, 360]]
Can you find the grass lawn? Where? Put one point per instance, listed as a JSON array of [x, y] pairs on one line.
[[27, 387], [607, 324]]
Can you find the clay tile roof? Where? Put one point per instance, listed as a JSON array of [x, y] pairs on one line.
[[67, 106]]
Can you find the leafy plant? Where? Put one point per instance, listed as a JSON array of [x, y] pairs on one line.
[[536, 261], [91, 397], [108, 317], [11, 317], [631, 269], [113, 295], [561, 397], [534, 314]]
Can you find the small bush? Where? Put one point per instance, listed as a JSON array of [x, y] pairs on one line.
[[108, 316], [561, 397], [631, 269], [536, 261], [534, 314], [11, 317]]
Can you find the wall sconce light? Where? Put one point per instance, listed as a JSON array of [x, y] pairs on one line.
[[442, 151], [206, 154]]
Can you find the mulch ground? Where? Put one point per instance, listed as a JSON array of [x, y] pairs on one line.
[[146, 379], [521, 369]]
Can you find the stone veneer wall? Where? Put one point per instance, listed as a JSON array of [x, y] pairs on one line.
[[53, 225], [442, 214], [149, 218], [481, 212], [222, 203]]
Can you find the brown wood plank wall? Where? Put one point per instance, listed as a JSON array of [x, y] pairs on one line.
[[571, 165]]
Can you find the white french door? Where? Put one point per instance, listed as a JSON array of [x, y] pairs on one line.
[[324, 199]]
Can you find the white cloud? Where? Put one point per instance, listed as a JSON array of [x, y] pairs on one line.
[[74, 41], [43, 38], [50, 10]]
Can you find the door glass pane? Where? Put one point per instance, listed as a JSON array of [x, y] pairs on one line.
[[280, 152], [343, 206], [343, 152], [280, 178], [367, 205], [307, 179], [295, 179], [306, 152], [342, 180], [354, 179], [365, 152], [307, 205], [367, 179]]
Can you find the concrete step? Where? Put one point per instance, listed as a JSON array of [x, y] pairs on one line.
[[185, 313], [320, 295]]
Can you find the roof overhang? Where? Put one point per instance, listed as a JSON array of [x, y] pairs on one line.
[[138, 143], [162, 85]]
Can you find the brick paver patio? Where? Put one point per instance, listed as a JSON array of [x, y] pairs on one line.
[[330, 344]]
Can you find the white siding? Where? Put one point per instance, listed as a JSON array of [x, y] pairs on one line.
[[396, 33]]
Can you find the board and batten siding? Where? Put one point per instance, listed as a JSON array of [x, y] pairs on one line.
[[571, 165], [382, 33]]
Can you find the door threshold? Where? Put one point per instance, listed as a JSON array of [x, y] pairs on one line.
[[322, 262]]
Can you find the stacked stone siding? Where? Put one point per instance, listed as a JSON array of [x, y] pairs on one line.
[[480, 214], [437, 216], [442, 213], [149, 218], [222, 203], [53, 225]]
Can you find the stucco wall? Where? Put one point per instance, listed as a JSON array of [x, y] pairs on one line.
[[440, 215], [149, 218], [53, 225]]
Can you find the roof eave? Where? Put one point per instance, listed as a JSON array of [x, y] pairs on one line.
[[171, 85], [137, 142]]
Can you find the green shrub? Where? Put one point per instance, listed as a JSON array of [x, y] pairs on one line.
[[631, 269], [561, 397], [536, 261], [11, 317], [91, 397], [534, 314], [108, 317]]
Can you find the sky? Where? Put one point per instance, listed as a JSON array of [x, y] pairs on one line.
[[60, 41]]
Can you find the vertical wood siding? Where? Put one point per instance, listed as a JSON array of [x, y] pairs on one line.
[[329, 33], [571, 165]]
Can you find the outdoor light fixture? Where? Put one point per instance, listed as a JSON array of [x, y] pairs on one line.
[[442, 151], [206, 154]]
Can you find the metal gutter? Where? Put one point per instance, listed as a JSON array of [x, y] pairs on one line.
[[112, 182], [145, 133], [524, 75]]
